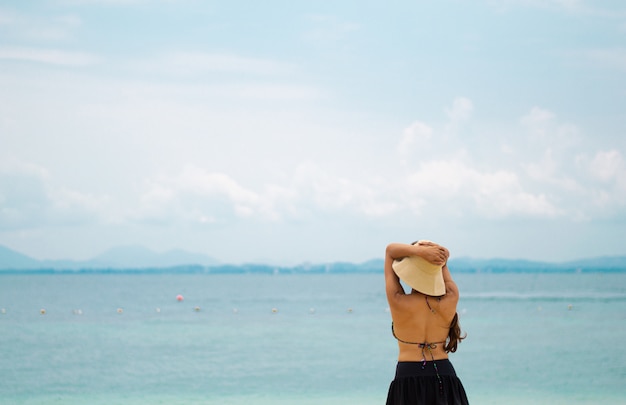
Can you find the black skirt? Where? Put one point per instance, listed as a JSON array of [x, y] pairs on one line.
[[420, 383]]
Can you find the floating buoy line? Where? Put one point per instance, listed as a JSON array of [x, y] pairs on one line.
[[180, 299], [234, 311], [196, 308]]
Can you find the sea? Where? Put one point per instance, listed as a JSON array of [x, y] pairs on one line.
[[283, 339]]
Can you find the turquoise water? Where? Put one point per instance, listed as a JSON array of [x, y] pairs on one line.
[[299, 339]]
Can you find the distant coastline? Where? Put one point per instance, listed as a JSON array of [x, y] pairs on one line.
[[139, 260], [374, 266]]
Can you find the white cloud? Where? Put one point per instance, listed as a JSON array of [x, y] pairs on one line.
[[70, 207], [500, 194], [197, 62], [544, 127], [28, 199], [454, 181], [608, 166], [548, 152], [461, 109], [537, 116], [605, 173], [333, 193], [538, 175], [199, 196], [549, 171], [544, 168], [33, 27], [537, 120], [226, 76], [328, 191], [463, 190], [421, 142], [48, 56], [458, 114], [417, 132], [196, 195], [196, 180]]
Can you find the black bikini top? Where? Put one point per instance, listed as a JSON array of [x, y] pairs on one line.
[[422, 345]]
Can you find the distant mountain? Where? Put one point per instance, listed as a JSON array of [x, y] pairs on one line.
[[123, 257], [15, 260], [608, 263], [139, 258]]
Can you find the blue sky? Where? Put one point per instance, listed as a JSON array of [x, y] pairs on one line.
[[293, 131]]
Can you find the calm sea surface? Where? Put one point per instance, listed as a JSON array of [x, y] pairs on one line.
[[299, 339]]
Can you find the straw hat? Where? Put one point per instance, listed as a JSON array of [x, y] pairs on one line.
[[421, 275]]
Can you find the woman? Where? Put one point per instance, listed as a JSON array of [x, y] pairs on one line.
[[425, 323]]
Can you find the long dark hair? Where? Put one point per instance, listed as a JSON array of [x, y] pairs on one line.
[[454, 335]]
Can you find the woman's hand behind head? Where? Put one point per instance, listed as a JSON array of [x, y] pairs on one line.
[[437, 254]]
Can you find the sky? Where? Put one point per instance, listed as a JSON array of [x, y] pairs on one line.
[[313, 131]]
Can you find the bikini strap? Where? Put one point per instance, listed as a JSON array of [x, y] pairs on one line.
[[428, 303]]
